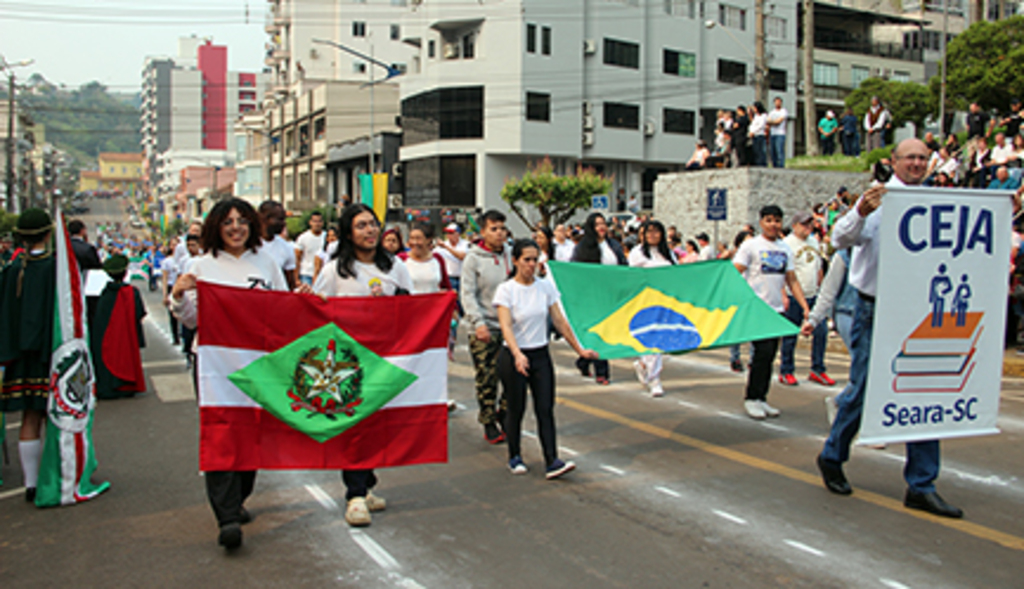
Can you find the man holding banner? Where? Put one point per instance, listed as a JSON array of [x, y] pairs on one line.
[[922, 377]]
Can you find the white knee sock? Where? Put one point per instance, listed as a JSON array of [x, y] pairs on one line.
[[31, 451]]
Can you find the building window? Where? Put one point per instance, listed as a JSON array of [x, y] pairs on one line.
[[775, 27], [732, 72], [732, 17], [826, 74], [431, 45], [468, 46], [538, 106], [446, 113], [440, 181], [531, 38], [621, 116], [400, 67], [858, 74], [396, 32], [545, 40], [319, 128], [358, 67], [680, 7], [622, 53], [777, 80], [682, 122], [679, 63], [358, 28], [900, 77]]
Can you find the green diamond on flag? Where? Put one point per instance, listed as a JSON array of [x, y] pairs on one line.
[[322, 383]]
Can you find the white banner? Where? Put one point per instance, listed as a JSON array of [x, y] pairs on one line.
[[937, 349]]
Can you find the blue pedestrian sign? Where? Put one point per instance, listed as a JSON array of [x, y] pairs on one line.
[[599, 202], [716, 204]]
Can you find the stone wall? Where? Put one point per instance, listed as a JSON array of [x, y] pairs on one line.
[[680, 199]]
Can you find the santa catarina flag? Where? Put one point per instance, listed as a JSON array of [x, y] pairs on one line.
[[622, 312], [291, 381], [68, 459]]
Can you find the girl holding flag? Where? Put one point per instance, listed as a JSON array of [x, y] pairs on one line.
[[597, 247], [654, 253]]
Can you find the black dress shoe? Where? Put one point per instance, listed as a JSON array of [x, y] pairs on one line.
[[832, 474], [244, 516], [932, 503], [230, 536], [30, 495]]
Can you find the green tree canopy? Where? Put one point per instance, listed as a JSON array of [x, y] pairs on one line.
[[984, 66], [555, 198], [908, 102]]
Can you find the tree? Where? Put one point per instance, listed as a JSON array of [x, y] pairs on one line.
[[984, 64], [555, 198], [907, 101]]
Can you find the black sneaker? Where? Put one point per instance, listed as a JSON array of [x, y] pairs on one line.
[[492, 434], [30, 495], [244, 516], [558, 468], [736, 366], [230, 536]]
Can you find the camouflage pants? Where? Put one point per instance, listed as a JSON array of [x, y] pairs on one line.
[[485, 361]]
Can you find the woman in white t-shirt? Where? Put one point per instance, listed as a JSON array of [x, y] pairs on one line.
[[426, 268], [654, 253], [330, 246], [524, 305], [231, 239]]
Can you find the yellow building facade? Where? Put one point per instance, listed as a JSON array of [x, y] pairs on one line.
[[118, 172]]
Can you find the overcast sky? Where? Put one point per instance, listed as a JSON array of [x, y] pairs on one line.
[[74, 42]]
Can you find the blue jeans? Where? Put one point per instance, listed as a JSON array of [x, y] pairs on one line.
[[828, 145], [922, 467], [851, 144], [844, 325], [760, 151], [306, 279], [734, 352], [778, 145], [795, 314]]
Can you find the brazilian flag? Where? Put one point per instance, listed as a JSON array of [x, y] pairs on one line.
[[621, 312]]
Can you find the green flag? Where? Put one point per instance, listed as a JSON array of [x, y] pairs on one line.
[[621, 312], [322, 383]]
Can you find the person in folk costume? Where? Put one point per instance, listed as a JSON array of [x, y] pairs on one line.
[[27, 287], [116, 335]]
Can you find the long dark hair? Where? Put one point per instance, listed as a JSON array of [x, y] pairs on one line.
[[517, 252], [549, 251], [589, 248], [662, 245], [210, 239], [346, 252]]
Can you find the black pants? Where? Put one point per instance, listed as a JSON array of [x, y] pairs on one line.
[[760, 377], [358, 482], [541, 381], [227, 491], [600, 367]]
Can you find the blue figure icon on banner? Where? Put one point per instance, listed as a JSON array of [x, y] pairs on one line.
[[960, 302], [940, 287]]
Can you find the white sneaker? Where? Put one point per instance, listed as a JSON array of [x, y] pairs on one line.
[[356, 513], [769, 410], [656, 390], [754, 409], [641, 371]]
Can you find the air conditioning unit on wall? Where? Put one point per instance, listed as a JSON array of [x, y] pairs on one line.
[[589, 47], [588, 108], [649, 128], [588, 138], [588, 123], [394, 201], [396, 169]]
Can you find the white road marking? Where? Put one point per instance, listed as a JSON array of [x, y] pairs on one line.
[[374, 550], [726, 515], [408, 583], [322, 497], [529, 434], [178, 363], [689, 405], [12, 493], [568, 451], [668, 492], [15, 425], [727, 414], [780, 428], [804, 547], [893, 584], [613, 470]]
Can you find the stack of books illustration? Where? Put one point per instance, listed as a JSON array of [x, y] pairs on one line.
[[938, 356]]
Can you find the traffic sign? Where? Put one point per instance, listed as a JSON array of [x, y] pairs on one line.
[[599, 201], [717, 204]]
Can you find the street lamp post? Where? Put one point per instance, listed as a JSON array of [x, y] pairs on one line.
[[9, 67]]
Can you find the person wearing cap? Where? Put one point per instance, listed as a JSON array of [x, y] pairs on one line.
[[452, 249], [767, 264], [27, 292], [116, 335], [809, 268], [827, 129]]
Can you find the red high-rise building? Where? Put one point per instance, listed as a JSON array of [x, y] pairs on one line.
[[212, 61]]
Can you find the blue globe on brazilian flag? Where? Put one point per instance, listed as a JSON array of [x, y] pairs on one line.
[[622, 312]]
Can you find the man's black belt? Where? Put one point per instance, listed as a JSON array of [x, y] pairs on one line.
[[866, 297]]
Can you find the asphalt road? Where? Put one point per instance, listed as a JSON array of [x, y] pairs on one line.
[[682, 491]]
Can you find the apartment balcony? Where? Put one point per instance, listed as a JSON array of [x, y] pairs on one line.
[[282, 54]]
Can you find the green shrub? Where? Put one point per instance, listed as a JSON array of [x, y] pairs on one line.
[[875, 155]]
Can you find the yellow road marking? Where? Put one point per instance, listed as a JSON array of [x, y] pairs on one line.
[[976, 530]]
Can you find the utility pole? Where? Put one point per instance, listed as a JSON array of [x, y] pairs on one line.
[[10, 142], [942, 86], [810, 110], [373, 168], [760, 68]]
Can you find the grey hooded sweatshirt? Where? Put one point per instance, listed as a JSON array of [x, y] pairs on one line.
[[482, 272]]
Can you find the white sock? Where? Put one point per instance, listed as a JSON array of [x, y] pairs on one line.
[[31, 451]]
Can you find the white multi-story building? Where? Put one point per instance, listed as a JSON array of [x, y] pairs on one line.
[[623, 86]]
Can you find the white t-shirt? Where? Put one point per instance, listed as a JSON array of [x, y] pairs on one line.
[[325, 255], [426, 276], [310, 245], [757, 125], [530, 306], [767, 263], [807, 262], [1002, 155], [282, 251], [254, 270], [452, 264], [776, 115], [366, 277], [564, 251], [608, 257], [637, 259], [170, 267]]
